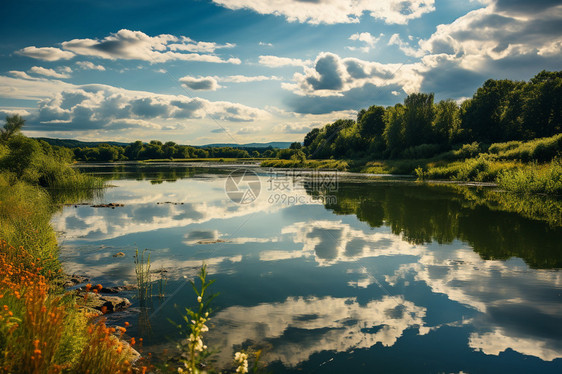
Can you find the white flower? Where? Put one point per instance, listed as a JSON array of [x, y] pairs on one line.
[[199, 298], [204, 328]]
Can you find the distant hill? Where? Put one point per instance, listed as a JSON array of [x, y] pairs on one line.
[[281, 145], [72, 143]]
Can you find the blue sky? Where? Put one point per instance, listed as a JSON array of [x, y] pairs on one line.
[[206, 71]]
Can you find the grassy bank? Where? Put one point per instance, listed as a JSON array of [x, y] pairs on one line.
[[521, 167], [42, 328], [307, 164]]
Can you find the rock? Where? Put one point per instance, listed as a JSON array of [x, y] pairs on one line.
[[110, 205], [73, 280], [98, 302], [211, 241], [117, 289], [119, 254]]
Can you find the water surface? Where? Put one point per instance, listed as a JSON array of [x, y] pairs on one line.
[[364, 275]]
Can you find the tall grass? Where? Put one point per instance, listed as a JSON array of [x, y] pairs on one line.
[[307, 164], [42, 331], [533, 178], [541, 149], [25, 213], [144, 279]]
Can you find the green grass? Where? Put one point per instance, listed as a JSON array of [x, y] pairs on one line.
[[307, 164], [213, 159], [533, 178], [25, 214]]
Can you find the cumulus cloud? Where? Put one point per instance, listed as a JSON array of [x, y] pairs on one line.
[[50, 72], [297, 128], [246, 79], [200, 84], [10, 112], [498, 32], [275, 61], [333, 75], [405, 47], [336, 11], [45, 53], [366, 38], [134, 45], [248, 130], [88, 65], [89, 107]]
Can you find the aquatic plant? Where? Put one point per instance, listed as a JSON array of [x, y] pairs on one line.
[[144, 279], [195, 326]]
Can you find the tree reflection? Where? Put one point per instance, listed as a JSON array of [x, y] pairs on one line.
[[497, 225]]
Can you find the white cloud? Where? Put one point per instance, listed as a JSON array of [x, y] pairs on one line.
[[200, 84], [68, 107], [22, 75], [50, 72], [4, 112], [246, 79], [248, 130], [25, 87], [333, 76], [366, 38], [136, 45], [405, 47], [45, 53], [275, 61], [497, 32], [190, 45], [336, 11], [88, 65], [339, 324], [297, 128], [264, 44]]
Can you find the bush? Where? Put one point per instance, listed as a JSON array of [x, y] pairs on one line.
[[421, 151]]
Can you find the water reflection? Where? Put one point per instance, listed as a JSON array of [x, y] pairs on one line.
[[296, 328], [436, 273]]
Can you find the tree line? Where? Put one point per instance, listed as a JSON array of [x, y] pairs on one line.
[[155, 149], [499, 111]]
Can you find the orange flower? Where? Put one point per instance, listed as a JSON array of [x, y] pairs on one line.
[[126, 324], [104, 309], [88, 286], [133, 341]]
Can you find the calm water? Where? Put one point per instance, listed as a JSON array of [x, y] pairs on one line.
[[363, 275]]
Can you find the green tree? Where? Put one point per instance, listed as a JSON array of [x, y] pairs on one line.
[[309, 138], [542, 105], [447, 122], [418, 119], [487, 117], [295, 145], [394, 130], [12, 127], [372, 123]]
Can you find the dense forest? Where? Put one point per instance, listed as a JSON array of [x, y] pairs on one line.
[[155, 149], [499, 111]]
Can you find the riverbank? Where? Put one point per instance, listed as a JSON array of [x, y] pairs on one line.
[[43, 328], [522, 167]]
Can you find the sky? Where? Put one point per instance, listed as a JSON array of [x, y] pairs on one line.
[[240, 71]]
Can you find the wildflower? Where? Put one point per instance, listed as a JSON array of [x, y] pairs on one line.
[[126, 324], [88, 286], [199, 299], [241, 361], [133, 342]]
